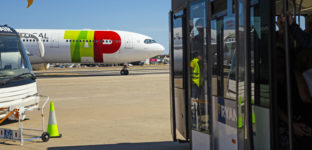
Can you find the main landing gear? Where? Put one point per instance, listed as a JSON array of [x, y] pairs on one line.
[[124, 70]]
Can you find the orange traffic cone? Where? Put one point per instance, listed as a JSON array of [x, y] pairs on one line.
[[52, 125]]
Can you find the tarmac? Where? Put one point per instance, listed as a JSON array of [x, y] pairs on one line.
[[97, 109]]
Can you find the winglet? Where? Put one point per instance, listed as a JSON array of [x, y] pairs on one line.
[[29, 3]]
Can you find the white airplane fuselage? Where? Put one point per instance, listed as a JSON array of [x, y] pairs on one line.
[[89, 46]]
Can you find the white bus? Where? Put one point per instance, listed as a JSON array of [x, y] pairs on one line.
[[253, 88], [18, 87]]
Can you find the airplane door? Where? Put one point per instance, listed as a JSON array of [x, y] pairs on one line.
[[129, 42], [54, 40]]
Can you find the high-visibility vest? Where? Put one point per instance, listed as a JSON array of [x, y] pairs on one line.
[[196, 71]]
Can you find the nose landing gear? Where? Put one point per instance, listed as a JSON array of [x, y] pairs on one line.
[[124, 70]]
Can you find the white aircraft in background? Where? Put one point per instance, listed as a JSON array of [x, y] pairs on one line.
[[88, 46]]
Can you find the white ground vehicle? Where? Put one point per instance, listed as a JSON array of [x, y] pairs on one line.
[[18, 87]]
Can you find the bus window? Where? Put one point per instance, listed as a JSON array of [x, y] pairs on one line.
[[241, 81], [260, 47], [198, 61], [178, 76], [213, 57], [229, 48], [299, 73]]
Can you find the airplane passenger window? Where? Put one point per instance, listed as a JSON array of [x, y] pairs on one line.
[[23, 40], [47, 40], [66, 40]]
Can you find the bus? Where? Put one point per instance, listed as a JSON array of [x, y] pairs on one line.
[[252, 88], [18, 87]]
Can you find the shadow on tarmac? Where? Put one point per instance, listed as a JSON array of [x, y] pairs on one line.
[[130, 146], [7, 121], [87, 74]]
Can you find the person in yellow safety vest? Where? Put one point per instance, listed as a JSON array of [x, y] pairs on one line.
[[195, 91], [196, 77]]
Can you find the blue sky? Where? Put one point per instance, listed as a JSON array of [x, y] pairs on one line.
[[148, 17]]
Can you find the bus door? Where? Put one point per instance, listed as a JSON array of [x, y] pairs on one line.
[[179, 109], [198, 76], [259, 52], [224, 81]]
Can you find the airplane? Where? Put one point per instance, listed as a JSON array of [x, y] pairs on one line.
[[88, 46]]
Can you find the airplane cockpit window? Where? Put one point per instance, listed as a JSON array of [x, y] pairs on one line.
[[149, 41]]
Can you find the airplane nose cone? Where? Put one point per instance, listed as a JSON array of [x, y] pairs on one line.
[[155, 49], [160, 49]]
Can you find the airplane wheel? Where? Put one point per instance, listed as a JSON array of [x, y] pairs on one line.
[[122, 72]]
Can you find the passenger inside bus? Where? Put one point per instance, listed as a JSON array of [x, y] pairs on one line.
[[300, 55], [303, 38]]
